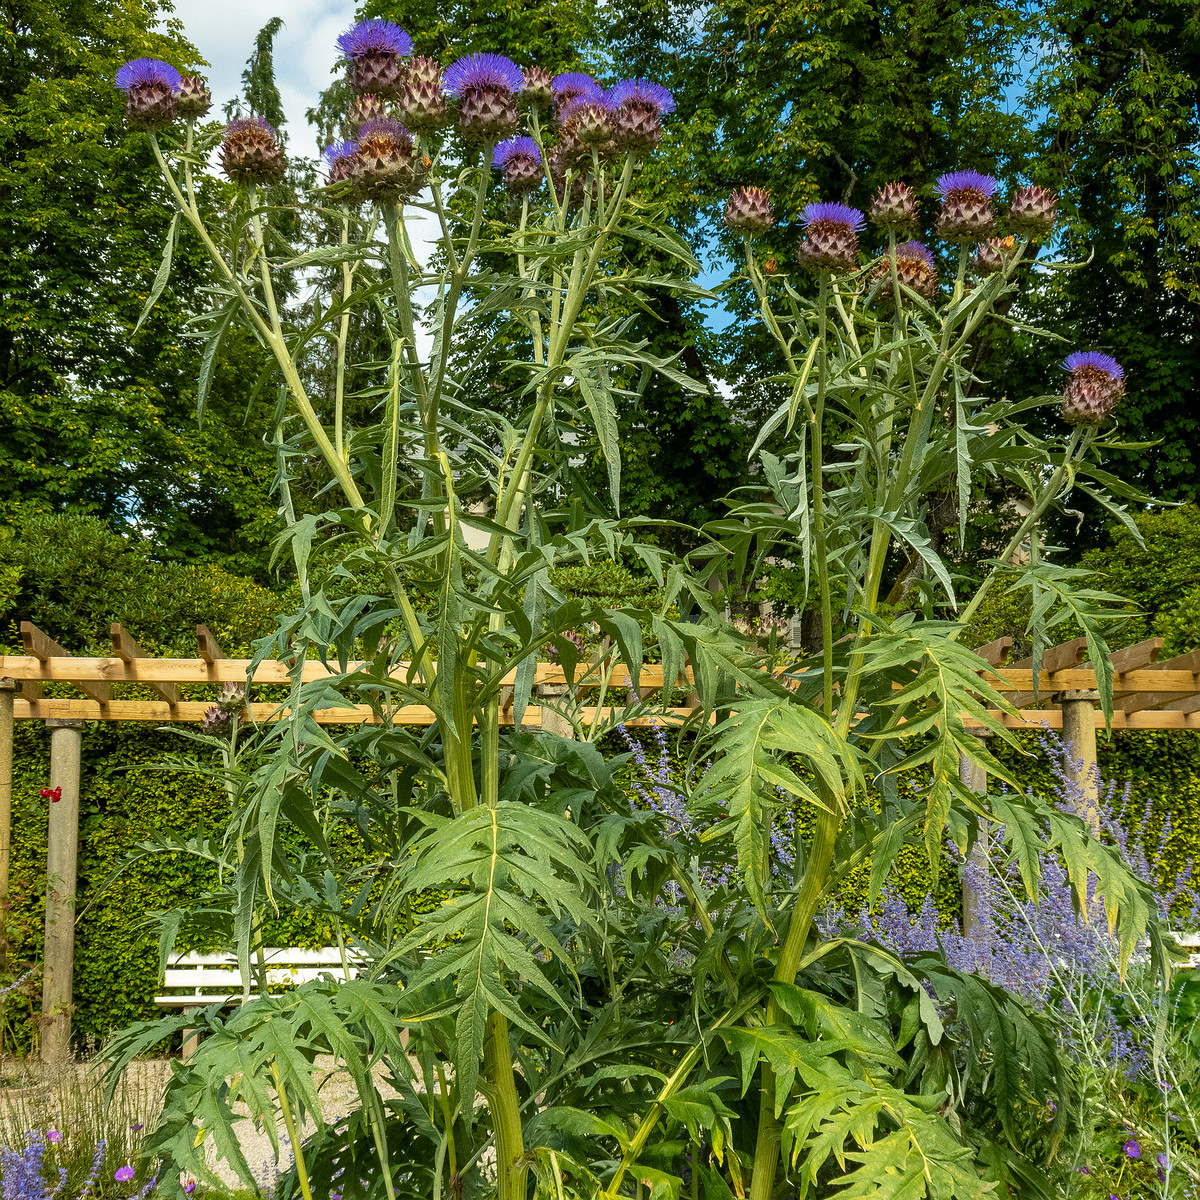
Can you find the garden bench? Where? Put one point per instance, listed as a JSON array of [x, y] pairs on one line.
[[1191, 943]]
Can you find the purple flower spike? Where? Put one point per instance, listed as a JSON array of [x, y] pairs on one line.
[[1093, 360], [143, 72], [571, 85], [833, 214], [1132, 1149], [518, 147], [643, 93], [123, 1174], [917, 253], [484, 72], [338, 151], [374, 36], [966, 181]]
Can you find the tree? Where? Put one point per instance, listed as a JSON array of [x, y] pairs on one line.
[[98, 417]]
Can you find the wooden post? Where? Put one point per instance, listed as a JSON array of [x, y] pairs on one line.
[[975, 778], [1079, 737], [552, 720], [8, 688], [62, 854]]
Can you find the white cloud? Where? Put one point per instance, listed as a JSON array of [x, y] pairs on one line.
[[305, 50]]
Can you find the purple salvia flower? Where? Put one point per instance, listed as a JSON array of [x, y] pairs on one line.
[[145, 72], [518, 147], [643, 93], [1094, 360], [374, 36], [965, 181], [484, 72]]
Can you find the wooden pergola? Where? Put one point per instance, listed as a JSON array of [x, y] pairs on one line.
[[1148, 695]]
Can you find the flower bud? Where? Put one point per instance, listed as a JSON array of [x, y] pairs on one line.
[[422, 106], [1032, 211], [251, 152], [894, 208], [593, 121], [639, 107], [966, 206], [990, 256], [194, 99], [538, 91], [151, 90], [366, 106], [748, 210], [1094, 389], [830, 237]]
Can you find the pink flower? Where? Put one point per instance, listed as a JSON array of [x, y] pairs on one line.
[[52, 1135], [123, 1174]]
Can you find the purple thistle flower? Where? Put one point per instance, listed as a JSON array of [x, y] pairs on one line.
[[338, 151], [242, 124], [570, 85], [1132, 1148], [123, 1174], [141, 72], [575, 106], [1094, 360], [518, 147], [833, 214], [382, 127], [374, 36], [644, 93], [484, 72], [966, 181], [915, 251]]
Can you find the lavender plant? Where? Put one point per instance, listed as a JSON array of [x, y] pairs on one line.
[[544, 1030]]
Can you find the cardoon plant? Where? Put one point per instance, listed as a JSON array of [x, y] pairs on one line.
[[606, 997]]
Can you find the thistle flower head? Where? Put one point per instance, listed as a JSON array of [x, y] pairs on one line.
[[484, 73], [642, 93], [251, 152], [748, 210], [374, 36], [894, 207], [518, 147], [538, 89], [194, 99], [384, 166], [147, 72], [915, 252], [832, 215], [1032, 211], [989, 258], [383, 129], [1093, 360], [966, 181], [338, 159], [570, 85], [1094, 389]]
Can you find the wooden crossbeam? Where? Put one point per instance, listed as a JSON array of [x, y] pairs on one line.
[[1140, 701], [127, 650], [995, 653], [1054, 658], [42, 647], [208, 646], [1133, 658]]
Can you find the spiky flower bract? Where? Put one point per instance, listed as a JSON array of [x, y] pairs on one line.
[[1094, 360], [966, 181], [193, 99], [251, 152], [374, 36], [894, 207], [748, 210], [144, 72], [518, 147], [1031, 211], [384, 166], [830, 213], [538, 89], [990, 256], [916, 252], [642, 93], [484, 72], [571, 85]]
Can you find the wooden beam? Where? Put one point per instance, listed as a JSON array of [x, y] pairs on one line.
[[1056, 658], [995, 653], [1132, 658], [209, 648], [127, 650], [42, 647], [1137, 701]]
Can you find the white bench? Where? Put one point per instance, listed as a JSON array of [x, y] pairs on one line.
[[194, 980]]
